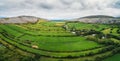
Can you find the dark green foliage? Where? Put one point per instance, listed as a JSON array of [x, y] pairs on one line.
[[9, 55]]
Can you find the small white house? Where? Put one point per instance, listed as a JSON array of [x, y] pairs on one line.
[[93, 34], [103, 37]]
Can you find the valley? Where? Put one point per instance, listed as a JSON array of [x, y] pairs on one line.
[[62, 40]]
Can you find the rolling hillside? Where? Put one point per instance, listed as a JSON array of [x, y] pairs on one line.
[[98, 19], [20, 19]]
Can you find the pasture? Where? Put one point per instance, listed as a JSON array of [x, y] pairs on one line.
[[62, 41]]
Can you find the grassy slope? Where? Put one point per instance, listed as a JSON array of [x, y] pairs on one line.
[[61, 43], [97, 27], [55, 43], [113, 58]]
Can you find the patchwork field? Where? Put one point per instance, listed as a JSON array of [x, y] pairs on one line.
[[62, 41]]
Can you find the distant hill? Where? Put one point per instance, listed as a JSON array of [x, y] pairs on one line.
[[98, 19], [87, 19], [118, 17], [98, 16], [20, 19]]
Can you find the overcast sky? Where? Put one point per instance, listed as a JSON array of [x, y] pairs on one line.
[[59, 9]]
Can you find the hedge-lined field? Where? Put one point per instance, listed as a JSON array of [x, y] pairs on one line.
[[81, 26], [51, 43], [55, 41]]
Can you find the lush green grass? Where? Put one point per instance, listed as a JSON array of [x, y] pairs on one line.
[[9, 31], [113, 58], [47, 53], [53, 40], [43, 29], [61, 43], [47, 43], [80, 26], [54, 43], [112, 31], [59, 54]]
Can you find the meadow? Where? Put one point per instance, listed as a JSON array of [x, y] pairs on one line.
[[63, 41]]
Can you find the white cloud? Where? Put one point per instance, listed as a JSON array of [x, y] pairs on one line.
[[51, 9]]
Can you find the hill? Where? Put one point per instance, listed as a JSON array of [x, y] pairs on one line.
[[20, 19], [98, 19], [98, 16]]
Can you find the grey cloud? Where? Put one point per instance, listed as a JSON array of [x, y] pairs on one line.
[[59, 8], [45, 6]]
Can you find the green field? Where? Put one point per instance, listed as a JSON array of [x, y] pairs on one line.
[[113, 58], [62, 41]]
